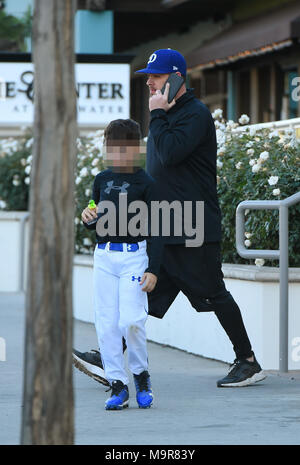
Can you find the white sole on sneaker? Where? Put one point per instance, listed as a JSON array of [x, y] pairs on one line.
[[118, 407], [247, 382], [93, 371]]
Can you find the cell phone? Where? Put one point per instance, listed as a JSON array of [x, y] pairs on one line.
[[175, 84], [94, 220]]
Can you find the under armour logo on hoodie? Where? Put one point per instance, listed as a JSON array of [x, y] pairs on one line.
[[138, 278], [123, 188]]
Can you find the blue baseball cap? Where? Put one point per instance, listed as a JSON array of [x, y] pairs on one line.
[[165, 61]]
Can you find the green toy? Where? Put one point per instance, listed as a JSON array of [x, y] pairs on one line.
[[92, 205]]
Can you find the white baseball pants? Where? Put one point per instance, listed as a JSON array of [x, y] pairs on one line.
[[121, 309]]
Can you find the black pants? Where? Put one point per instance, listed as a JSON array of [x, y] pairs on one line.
[[196, 271]]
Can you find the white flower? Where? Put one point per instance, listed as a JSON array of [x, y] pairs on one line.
[[244, 119], [84, 172], [87, 192], [273, 134], [221, 126], [221, 151], [249, 144], [27, 169], [87, 241], [252, 131], [264, 155], [273, 180], [29, 143], [220, 137], [250, 152], [218, 113], [230, 125], [219, 164], [78, 180], [27, 180], [94, 171], [289, 130], [16, 182], [259, 262], [247, 243], [23, 161], [276, 191], [2, 204], [76, 220], [248, 235], [29, 159], [255, 168], [84, 250], [239, 165], [95, 162]]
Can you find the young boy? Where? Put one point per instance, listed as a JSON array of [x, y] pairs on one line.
[[125, 266]]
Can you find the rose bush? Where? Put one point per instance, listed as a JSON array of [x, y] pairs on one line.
[[257, 164], [15, 168]]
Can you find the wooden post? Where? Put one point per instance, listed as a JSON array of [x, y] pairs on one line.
[[254, 96], [48, 389], [273, 94]]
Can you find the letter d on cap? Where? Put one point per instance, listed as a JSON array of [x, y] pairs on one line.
[[152, 58]]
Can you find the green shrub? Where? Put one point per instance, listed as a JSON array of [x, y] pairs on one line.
[[260, 164]]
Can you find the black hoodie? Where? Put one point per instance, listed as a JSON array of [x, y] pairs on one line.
[[181, 157]]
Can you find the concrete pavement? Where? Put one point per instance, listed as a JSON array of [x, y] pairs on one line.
[[188, 410]]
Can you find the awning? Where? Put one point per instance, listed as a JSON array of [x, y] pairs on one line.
[[262, 34]]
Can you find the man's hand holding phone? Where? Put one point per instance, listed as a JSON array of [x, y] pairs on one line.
[[160, 100]]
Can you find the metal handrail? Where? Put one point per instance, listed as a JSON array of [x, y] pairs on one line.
[[280, 125], [282, 254]]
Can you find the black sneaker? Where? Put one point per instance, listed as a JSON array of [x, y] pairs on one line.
[[119, 398], [242, 373], [90, 363]]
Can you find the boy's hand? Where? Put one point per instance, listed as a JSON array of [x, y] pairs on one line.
[[150, 281], [88, 214]]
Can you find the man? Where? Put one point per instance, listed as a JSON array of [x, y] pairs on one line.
[[181, 157]]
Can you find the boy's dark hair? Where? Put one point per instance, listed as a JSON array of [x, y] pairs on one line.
[[122, 132]]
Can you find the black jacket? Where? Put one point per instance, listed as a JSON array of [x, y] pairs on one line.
[[181, 157]]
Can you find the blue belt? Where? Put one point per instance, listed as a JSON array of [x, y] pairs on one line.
[[118, 246]]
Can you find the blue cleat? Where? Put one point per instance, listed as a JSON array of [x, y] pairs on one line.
[[144, 395], [119, 398]]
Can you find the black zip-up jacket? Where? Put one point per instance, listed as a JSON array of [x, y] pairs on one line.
[[181, 157]]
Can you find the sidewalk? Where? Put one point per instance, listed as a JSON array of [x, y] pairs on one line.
[[189, 409]]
